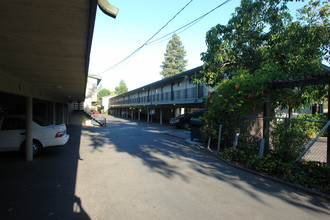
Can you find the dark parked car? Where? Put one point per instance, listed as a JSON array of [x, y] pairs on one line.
[[196, 114], [183, 121], [178, 121]]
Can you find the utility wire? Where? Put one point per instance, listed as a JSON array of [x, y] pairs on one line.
[[147, 40], [155, 41], [190, 23], [160, 40]]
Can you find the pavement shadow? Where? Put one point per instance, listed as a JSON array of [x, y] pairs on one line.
[[155, 149], [45, 187]]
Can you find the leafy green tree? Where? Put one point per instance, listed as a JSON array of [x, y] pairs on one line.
[[103, 92], [174, 58], [316, 16], [122, 88], [299, 51], [243, 42], [260, 44], [262, 39]]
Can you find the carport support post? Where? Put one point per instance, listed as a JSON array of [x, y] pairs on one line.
[[147, 115], [54, 113], [28, 130], [63, 113], [161, 116], [219, 138], [139, 114], [266, 122], [67, 115]]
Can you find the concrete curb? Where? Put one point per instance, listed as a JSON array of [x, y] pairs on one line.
[[173, 135], [301, 188], [96, 120]]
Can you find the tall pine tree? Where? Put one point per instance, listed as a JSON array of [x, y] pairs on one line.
[[174, 58], [122, 88]]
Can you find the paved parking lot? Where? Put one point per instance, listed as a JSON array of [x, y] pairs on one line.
[[136, 170]]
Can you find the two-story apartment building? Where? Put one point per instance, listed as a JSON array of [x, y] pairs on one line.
[[161, 100]]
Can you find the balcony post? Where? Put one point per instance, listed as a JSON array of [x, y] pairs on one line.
[[147, 115]]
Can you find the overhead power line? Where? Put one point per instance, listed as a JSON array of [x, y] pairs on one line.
[[147, 40], [185, 27], [190, 23]]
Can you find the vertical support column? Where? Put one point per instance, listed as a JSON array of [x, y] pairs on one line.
[[54, 113], [161, 116], [147, 115], [182, 110], [219, 139], [266, 122], [63, 113], [328, 137], [139, 114], [67, 114], [197, 88], [28, 130]]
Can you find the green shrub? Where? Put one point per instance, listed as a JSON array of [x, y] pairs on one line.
[[266, 164], [314, 175], [312, 128], [289, 140], [236, 156], [311, 174]]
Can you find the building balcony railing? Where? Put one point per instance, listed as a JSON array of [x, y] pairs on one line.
[[190, 95]]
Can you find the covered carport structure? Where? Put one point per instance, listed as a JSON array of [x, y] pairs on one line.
[[44, 51]]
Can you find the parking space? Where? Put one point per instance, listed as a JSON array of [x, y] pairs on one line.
[[43, 188], [24, 118]]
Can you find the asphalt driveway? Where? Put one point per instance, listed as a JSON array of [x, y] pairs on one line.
[[135, 170]]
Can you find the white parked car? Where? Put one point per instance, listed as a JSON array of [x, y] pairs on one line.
[[12, 134]]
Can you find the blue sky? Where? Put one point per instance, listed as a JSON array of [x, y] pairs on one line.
[[136, 22]]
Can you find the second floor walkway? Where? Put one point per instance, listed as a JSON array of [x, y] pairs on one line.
[[178, 89]]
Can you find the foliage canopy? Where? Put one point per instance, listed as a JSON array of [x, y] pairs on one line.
[[262, 42], [103, 92], [174, 58], [122, 88]]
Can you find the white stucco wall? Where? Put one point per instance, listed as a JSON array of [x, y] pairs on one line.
[[91, 92], [105, 102]]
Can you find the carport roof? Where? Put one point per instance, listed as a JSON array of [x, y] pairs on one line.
[[45, 47], [304, 80]]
